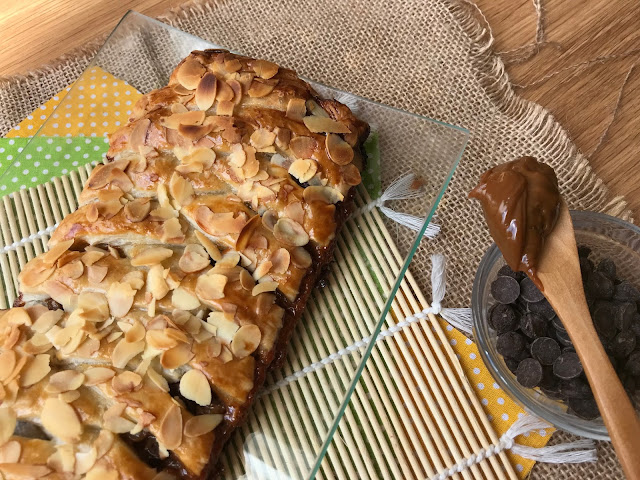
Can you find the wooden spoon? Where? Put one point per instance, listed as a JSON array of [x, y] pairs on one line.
[[559, 273]]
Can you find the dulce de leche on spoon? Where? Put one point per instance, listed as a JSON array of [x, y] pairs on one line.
[[521, 203]]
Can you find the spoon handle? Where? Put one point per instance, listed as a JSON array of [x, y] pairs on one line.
[[560, 274]]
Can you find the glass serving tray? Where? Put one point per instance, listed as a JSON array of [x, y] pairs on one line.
[[291, 431]]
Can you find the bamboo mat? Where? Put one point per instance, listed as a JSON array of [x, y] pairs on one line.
[[413, 412]]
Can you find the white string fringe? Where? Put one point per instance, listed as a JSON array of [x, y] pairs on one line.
[[459, 318], [23, 241], [573, 452], [401, 189]]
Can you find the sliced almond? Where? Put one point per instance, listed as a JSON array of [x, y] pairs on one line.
[[229, 260], [184, 300], [170, 431], [135, 279], [232, 65], [202, 424], [280, 260], [92, 212], [262, 138], [56, 252], [303, 147], [191, 117], [260, 89], [73, 270], [171, 231], [96, 273], [60, 419], [64, 381], [8, 421], [219, 224], [290, 232], [94, 306], [103, 443], [181, 189], [246, 340], [10, 452], [339, 151], [20, 470], [262, 269], [158, 380], [194, 132], [316, 109], [159, 339], [193, 259], [97, 375], [351, 175], [296, 109], [178, 108], [189, 73], [206, 91], [300, 257], [225, 92], [209, 246], [137, 210], [283, 137], [225, 329], [326, 195], [195, 386], [35, 274], [7, 364], [246, 280], [135, 333], [126, 382], [247, 231], [225, 108], [120, 297], [99, 472], [236, 86], [92, 256], [303, 170], [163, 213], [264, 287], [265, 69], [35, 370], [125, 351], [269, 219], [70, 396], [237, 157], [210, 287], [138, 137], [151, 256], [156, 282], [176, 357], [317, 124]]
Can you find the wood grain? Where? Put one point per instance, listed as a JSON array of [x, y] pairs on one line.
[[35, 32]]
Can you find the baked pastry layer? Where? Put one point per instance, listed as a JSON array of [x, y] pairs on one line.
[[142, 336]]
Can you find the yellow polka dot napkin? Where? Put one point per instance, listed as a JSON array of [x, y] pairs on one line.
[[76, 134]]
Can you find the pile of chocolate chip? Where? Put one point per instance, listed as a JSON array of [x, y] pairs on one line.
[[537, 348]]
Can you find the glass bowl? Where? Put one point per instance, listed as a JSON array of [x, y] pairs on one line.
[[607, 237]]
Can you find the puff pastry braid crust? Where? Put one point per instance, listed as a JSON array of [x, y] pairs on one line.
[[142, 336]]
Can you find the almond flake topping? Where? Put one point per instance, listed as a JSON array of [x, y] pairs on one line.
[[64, 381], [7, 364], [176, 357], [137, 210], [181, 189], [194, 259], [56, 252], [60, 419], [7, 424], [156, 282], [170, 432], [206, 91], [262, 138], [202, 424], [339, 151], [264, 287], [210, 286], [20, 470], [10, 452], [73, 270], [92, 256], [326, 195], [209, 246], [126, 382], [303, 169], [246, 340], [184, 300], [120, 298], [135, 333], [265, 69], [35, 371], [303, 147], [97, 375], [189, 73], [260, 89], [195, 386], [158, 380], [280, 260], [296, 109], [124, 352], [151, 256], [290, 232]]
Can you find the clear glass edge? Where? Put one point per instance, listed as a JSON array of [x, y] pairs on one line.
[[387, 308], [481, 334]]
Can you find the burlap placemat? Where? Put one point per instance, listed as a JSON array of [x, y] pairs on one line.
[[434, 58]]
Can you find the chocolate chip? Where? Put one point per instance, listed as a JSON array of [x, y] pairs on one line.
[[624, 315], [512, 364], [604, 319], [549, 381], [586, 408], [511, 344], [623, 344], [633, 364], [529, 373], [624, 291], [607, 267], [586, 267], [583, 251], [506, 271], [543, 307], [533, 325], [600, 286], [557, 324], [529, 291], [575, 388], [505, 289], [567, 366], [503, 318], [545, 350]]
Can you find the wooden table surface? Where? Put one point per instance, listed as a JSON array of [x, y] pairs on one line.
[[587, 51]]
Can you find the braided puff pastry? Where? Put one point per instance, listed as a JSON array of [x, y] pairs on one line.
[[142, 336]]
